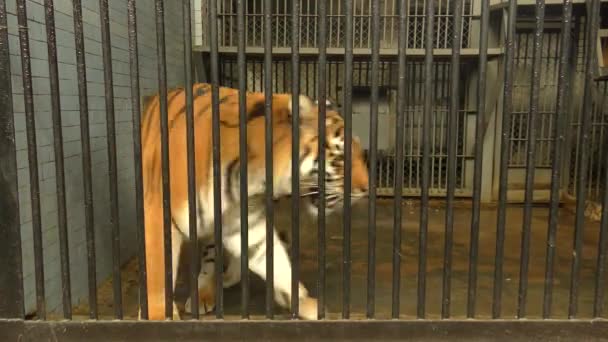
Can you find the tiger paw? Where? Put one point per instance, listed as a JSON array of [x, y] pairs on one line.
[[308, 308], [176, 315], [203, 307]]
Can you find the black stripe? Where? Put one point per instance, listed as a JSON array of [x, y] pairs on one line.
[[148, 115], [202, 90], [173, 96], [230, 171], [257, 111], [253, 249], [306, 153]]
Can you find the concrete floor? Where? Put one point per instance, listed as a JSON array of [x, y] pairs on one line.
[[409, 265]]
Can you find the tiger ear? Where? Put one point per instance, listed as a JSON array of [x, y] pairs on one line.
[[306, 106]]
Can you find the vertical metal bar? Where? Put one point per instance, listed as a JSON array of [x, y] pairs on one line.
[[191, 156], [602, 245], [269, 157], [559, 131], [452, 141], [348, 134], [530, 158], [426, 158], [295, 163], [104, 18], [242, 70], [593, 15], [86, 156], [400, 127], [164, 138], [477, 172], [217, 167], [11, 277], [322, 88], [30, 122], [135, 108], [507, 110], [373, 155], [59, 164]]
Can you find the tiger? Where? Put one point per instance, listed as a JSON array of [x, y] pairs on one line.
[[230, 184]]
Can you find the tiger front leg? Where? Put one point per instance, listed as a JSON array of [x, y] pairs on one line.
[[206, 281], [282, 267], [155, 265]]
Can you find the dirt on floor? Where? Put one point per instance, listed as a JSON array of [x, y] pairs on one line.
[[409, 264]]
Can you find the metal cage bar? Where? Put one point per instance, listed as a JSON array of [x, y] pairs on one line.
[[86, 157], [593, 12], [11, 279], [62, 225], [268, 150], [32, 154], [295, 164], [559, 136], [348, 131], [191, 162], [104, 18], [530, 158], [137, 156], [217, 167], [426, 156], [600, 281], [507, 109], [244, 210], [477, 177], [164, 138], [400, 127], [452, 140], [373, 155], [322, 91]]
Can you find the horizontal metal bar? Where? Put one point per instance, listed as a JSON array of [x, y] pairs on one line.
[[471, 330], [307, 51]]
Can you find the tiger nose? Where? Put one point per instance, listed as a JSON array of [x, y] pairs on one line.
[[359, 186]]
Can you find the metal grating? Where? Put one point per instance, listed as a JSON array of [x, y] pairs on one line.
[[598, 136], [521, 97], [281, 81], [362, 19]]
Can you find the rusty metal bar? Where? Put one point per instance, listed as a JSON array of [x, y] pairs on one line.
[[532, 122], [295, 153], [477, 172], [426, 158], [11, 278], [559, 132], [507, 109], [191, 162], [452, 137], [593, 17], [216, 157], [268, 135], [104, 18], [62, 227]]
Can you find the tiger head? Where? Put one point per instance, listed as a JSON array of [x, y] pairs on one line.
[[334, 159]]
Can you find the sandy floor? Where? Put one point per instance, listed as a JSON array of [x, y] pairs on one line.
[[409, 265]]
